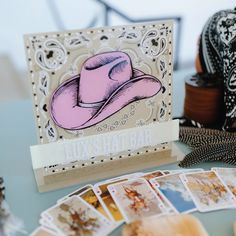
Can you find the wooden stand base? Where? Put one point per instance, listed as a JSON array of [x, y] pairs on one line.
[[107, 169]]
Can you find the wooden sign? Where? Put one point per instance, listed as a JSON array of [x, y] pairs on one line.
[[99, 96]]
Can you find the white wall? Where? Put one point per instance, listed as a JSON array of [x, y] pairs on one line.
[[18, 17], [194, 13]]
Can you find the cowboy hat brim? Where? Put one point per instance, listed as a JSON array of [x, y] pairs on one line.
[[66, 113]]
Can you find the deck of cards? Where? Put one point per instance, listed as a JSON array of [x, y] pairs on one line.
[[99, 209]]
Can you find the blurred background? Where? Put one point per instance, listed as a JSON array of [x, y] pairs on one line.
[[21, 17]]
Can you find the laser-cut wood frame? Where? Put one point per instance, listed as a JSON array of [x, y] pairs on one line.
[[53, 58]]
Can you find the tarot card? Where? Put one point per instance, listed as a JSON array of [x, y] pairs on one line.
[[91, 198], [75, 193], [45, 223], [193, 170], [106, 199], [126, 176], [228, 175], [167, 172], [41, 231], [171, 187], [148, 176], [74, 216], [208, 191], [136, 199], [151, 175]]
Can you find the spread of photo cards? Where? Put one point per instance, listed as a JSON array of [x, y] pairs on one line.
[[101, 208]]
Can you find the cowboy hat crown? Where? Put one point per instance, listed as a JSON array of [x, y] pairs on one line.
[[107, 83]]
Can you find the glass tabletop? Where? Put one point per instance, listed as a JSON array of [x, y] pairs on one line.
[[17, 133]]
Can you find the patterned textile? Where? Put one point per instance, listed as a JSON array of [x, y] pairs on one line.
[[3, 213], [217, 55], [9, 224]]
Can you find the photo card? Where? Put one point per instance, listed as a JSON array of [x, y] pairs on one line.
[[74, 216], [136, 199], [208, 191], [228, 176], [171, 187]]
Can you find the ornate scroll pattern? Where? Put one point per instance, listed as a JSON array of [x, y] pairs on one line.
[[50, 131], [76, 41], [44, 82], [130, 36], [227, 28], [51, 56], [162, 111], [153, 43], [162, 67]]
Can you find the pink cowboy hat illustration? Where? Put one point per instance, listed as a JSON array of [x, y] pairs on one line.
[[107, 83]]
